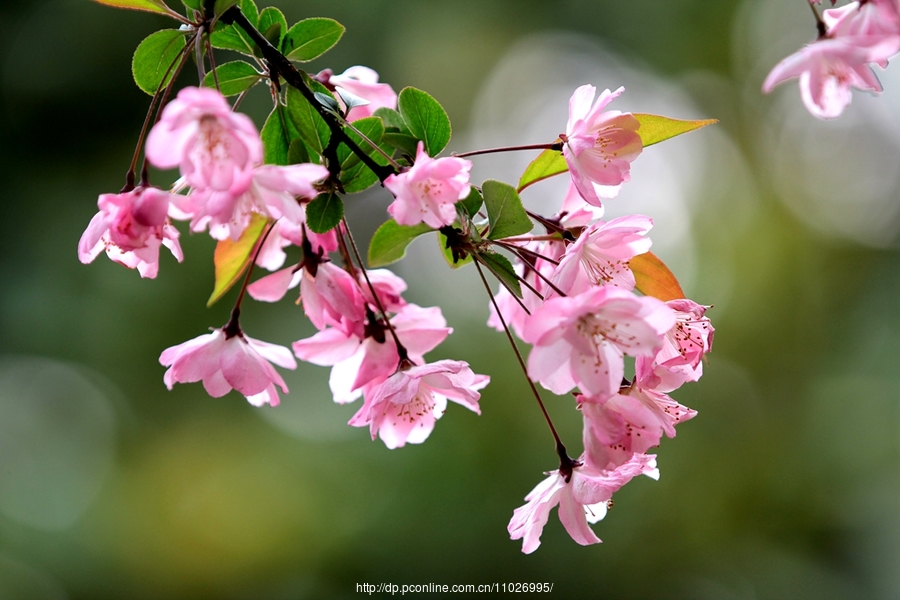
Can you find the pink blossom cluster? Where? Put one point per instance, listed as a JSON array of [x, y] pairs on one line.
[[852, 38], [582, 316]]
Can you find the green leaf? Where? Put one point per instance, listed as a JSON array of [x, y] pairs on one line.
[[547, 164], [505, 211], [273, 25], [275, 139], [425, 118], [157, 6], [502, 270], [653, 278], [655, 128], [234, 77], [389, 243], [472, 202], [392, 120], [155, 57], [232, 258], [220, 6], [324, 213], [372, 128], [309, 123], [298, 153], [231, 37], [311, 38], [194, 4], [448, 253], [403, 142]]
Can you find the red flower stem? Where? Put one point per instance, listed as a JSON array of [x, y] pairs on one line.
[[233, 328], [565, 462], [179, 60], [820, 24], [401, 349], [477, 259], [553, 146]]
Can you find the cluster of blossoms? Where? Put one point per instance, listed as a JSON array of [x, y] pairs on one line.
[[851, 39], [572, 292]]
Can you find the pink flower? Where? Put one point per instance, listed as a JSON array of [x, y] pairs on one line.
[[630, 422], [273, 191], [360, 360], [874, 25], [285, 233], [601, 253], [679, 360], [363, 83], [827, 69], [599, 146], [582, 499], [215, 147], [403, 408], [428, 191], [131, 227], [580, 340], [224, 363]]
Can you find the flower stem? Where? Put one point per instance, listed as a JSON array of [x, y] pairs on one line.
[[553, 146], [233, 328], [820, 24]]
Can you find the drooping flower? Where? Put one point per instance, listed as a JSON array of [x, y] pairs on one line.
[[130, 227], [226, 362], [371, 358], [827, 69], [679, 360], [428, 191], [580, 340], [214, 147], [582, 499], [601, 253], [599, 146], [632, 421], [363, 83], [874, 25], [403, 408], [273, 191]]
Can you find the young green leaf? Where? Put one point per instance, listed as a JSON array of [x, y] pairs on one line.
[[273, 25], [655, 128], [472, 202], [502, 270], [547, 164], [232, 258], [155, 58], [653, 278], [311, 38], [309, 123], [231, 37], [233, 77], [389, 243], [324, 213], [426, 118], [505, 211], [157, 6]]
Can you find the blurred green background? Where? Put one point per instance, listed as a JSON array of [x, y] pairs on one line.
[[786, 485]]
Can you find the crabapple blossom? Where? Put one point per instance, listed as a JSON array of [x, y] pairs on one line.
[[582, 499], [679, 360], [363, 82], [285, 233], [632, 421], [827, 69], [601, 253], [214, 147], [225, 362], [403, 408], [580, 340], [599, 146], [428, 191], [372, 358], [874, 25], [273, 192], [130, 227]]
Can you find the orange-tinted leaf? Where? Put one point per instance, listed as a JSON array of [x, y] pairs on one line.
[[656, 128], [156, 6], [654, 278], [232, 258]]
